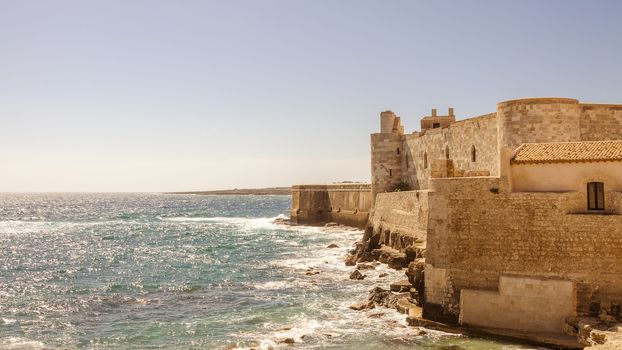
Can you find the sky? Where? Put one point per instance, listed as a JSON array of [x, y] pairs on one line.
[[149, 95]]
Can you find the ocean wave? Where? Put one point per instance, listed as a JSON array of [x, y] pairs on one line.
[[7, 321], [14, 343], [243, 222]]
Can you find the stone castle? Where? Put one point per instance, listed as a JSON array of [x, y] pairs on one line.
[[518, 213]]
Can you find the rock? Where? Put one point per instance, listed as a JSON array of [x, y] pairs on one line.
[[415, 273], [411, 253], [363, 305], [384, 274], [365, 267], [401, 286], [332, 245], [403, 305], [363, 248], [451, 347], [286, 341], [421, 332], [357, 275], [394, 258], [350, 260], [383, 297], [283, 221], [598, 337], [312, 273], [376, 315], [414, 294], [331, 224]]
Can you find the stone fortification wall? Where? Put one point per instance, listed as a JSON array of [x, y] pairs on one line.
[[600, 122], [479, 231], [386, 161], [401, 218], [347, 204], [459, 141], [538, 120], [528, 304]]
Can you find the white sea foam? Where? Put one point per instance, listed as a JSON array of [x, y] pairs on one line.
[[7, 320], [17, 343], [248, 223]]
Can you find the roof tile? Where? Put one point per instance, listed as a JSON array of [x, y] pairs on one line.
[[568, 152]]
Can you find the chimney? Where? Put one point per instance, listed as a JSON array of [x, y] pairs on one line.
[[433, 112], [451, 111]]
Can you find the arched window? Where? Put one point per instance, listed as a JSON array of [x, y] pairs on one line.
[[473, 154], [446, 152], [425, 160], [595, 196]]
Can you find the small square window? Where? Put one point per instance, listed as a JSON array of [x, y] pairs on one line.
[[436, 125]]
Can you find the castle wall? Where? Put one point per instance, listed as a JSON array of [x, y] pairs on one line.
[[538, 120], [403, 214], [478, 232], [601, 122], [479, 133], [347, 204]]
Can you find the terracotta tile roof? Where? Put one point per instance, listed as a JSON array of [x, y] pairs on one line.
[[568, 152]]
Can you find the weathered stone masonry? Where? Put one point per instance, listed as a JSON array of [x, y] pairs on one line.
[[526, 257], [347, 204]]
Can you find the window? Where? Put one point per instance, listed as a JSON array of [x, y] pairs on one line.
[[595, 196], [473, 154], [425, 161], [436, 125], [398, 151], [446, 152], [390, 173]]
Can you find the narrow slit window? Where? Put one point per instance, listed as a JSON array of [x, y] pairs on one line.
[[446, 152], [425, 161], [595, 196], [473, 154], [398, 151], [390, 173]]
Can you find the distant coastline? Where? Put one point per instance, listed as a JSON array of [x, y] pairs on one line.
[[247, 191]]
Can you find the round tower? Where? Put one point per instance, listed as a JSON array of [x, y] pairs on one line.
[[386, 154], [538, 120]]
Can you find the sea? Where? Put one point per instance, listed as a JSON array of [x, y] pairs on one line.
[[163, 271]]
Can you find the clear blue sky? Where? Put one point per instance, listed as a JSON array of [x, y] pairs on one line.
[[144, 95]]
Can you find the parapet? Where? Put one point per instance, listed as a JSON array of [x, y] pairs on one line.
[[438, 121], [537, 100]]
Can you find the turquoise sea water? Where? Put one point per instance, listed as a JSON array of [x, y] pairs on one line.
[[155, 271]]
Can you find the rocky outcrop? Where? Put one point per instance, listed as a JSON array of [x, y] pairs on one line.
[[383, 297], [601, 333], [373, 247], [357, 275], [415, 275]]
